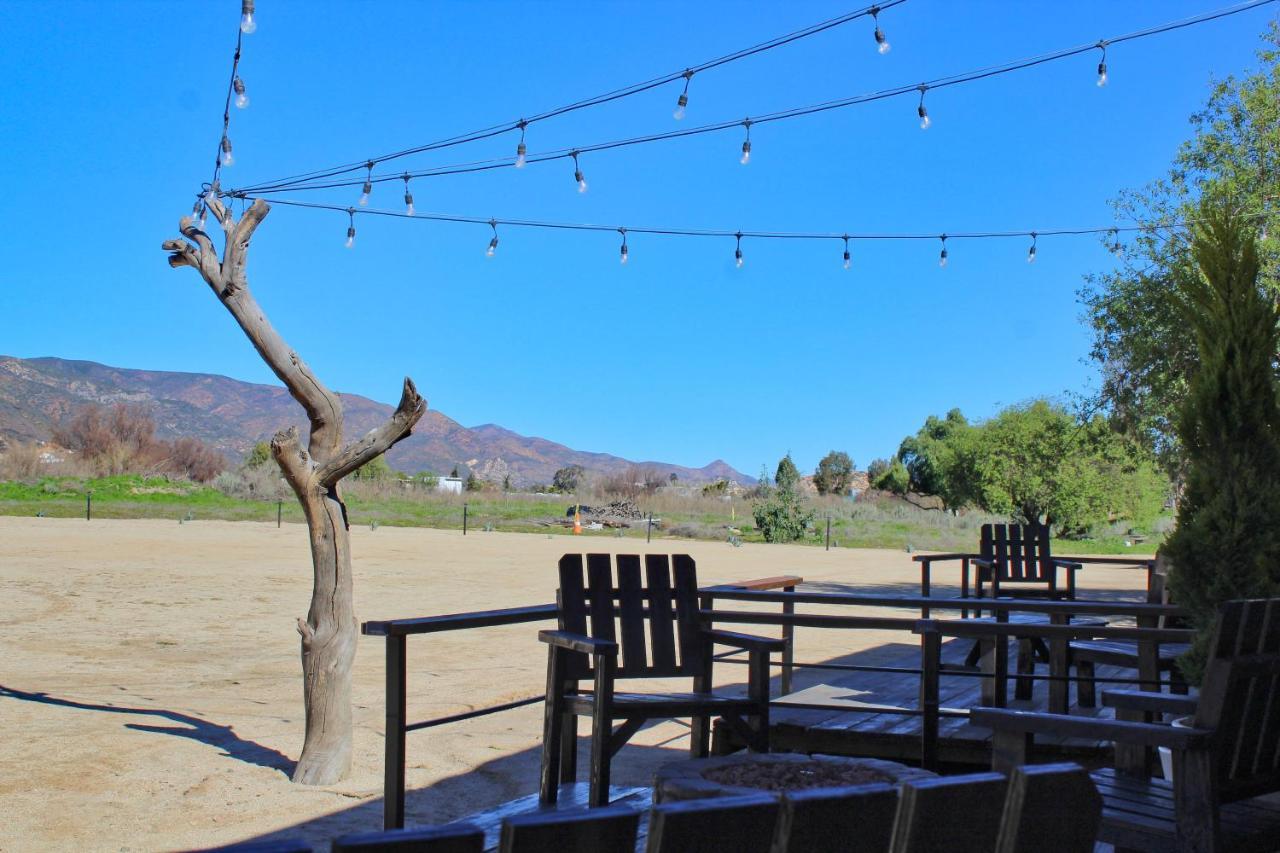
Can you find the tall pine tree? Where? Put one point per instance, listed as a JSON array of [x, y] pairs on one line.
[[1227, 542]]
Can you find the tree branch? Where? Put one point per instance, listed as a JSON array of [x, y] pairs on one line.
[[376, 441], [293, 460]]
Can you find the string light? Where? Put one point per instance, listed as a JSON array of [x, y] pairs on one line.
[[242, 97], [227, 159], [942, 256], [368, 186], [351, 227], [521, 150], [925, 121], [737, 252], [846, 251], [577, 173], [493, 244], [248, 23], [1031, 253], [882, 43], [683, 100], [746, 145], [1102, 66], [408, 196], [623, 258]]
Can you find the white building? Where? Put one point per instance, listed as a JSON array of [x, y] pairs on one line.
[[449, 485]]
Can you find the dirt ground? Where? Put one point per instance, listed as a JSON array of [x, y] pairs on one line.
[[150, 683]]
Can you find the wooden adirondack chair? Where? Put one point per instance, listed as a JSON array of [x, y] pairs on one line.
[[854, 819], [1084, 654], [452, 838], [1014, 560], [639, 607], [606, 830], [742, 824], [1222, 763]]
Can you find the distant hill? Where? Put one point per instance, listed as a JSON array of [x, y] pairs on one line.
[[37, 394]]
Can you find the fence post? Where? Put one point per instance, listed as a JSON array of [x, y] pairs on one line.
[[828, 532], [393, 760], [464, 519], [788, 637], [930, 666], [279, 512], [88, 505], [648, 533]]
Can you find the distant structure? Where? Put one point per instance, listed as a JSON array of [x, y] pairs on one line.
[[449, 485]]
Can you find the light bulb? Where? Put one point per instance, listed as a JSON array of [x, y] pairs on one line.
[[737, 258], [680, 105], [582, 182], [925, 121], [242, 97], [1031, 255], [623, 259], [408, 202], [846, 259], [942, 258], [227, 159], [882, 42], [520, 152], [1102, 74], [493, 247], [248, 24], [364, 193], [204, 217], [351, 236], [746, 153]]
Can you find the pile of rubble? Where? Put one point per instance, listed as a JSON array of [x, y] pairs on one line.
[[614, 509]]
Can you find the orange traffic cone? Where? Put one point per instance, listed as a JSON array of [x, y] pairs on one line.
[[577, 520]]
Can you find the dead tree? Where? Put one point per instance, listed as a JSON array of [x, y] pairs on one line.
[[329, 631]]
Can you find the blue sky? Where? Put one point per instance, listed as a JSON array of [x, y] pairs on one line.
[[111, 113]]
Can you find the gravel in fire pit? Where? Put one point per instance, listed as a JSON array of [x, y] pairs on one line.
[[795, 776]]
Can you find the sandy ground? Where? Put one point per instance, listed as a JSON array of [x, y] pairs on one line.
[[150, 686]]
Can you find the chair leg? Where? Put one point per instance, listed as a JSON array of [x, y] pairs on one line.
[[1086, 695], [758, 687], [553, 710], [601, 730], [568, 747], [1026, 666]]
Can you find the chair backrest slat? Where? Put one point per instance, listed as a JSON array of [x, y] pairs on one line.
[[718, 825], [1020, 552], [600, 586], [452, 838], [856, 819], [657, 570], [686, 584], [611, 829], [631, 615], [1050, 808], [959, 814]]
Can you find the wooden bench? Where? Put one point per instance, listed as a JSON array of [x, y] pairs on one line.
[[1223, 762]]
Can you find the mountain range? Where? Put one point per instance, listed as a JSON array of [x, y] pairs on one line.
[[37, 394]]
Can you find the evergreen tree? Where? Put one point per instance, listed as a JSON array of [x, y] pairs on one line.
[[1227, 542], [787, 475]]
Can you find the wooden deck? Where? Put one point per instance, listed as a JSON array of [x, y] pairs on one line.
[[896, 736]]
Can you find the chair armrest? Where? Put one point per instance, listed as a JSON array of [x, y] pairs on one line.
[[579, 643], [750, 642], [982, 562], [937, 558], [1071, 565], [1158, 703], [1064, 725]]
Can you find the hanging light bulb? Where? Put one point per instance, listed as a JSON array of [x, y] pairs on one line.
[[1031, 253], [368, 185], [942, 257], [351, 227], [623, 259], [746, 144], [925, 121], [1113, 245], [493, 244], [577, 173], [520, 149], [1102, 66], [242, 97], [737, 252], [846, 251], [248, 24], [882, 43], [683, 100], [227, 159], [408, 196], [195, 212]]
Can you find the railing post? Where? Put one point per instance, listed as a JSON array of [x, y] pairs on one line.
[[88, 505], [788, 637], [279, 512], [930, 671], [393, 761], [648, 533], [464, 519], [828, 532]]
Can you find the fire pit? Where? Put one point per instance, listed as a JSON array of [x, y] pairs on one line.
[[750, 773]]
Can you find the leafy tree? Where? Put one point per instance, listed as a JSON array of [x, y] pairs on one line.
[[780, 515], [716, 489], [376, 469], [260, 455], [427, 480], [506, 483], [875, 469], [1140, 337], [1227, 542], [940, 460], [473, 484], [673, 477], [788, 475], [567, 479], [834, 475], [892, 478]]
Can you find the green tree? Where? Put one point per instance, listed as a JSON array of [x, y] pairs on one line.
[[780, 515], [1139, 330], [940, 460], [427, 480], [375, 469], [567, 479], [260, 455], [473, 483], [1227, 542], [787, 475], [506, 483], [892, 478], [875, 469], [834, 475]]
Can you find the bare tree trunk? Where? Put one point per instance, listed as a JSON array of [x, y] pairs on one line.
[[329, 631]]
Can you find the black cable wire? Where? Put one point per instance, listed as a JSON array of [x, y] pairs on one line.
[[596, 100], [226, 110], [796, 112]]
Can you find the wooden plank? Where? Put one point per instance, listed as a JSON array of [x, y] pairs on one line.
[[611, 829], [959, 814], [1050, 808], [857, 819], [631, 616], [572, 595], [454, 838], [661, 630], [743, 824], [689, 623], [600, 584]]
